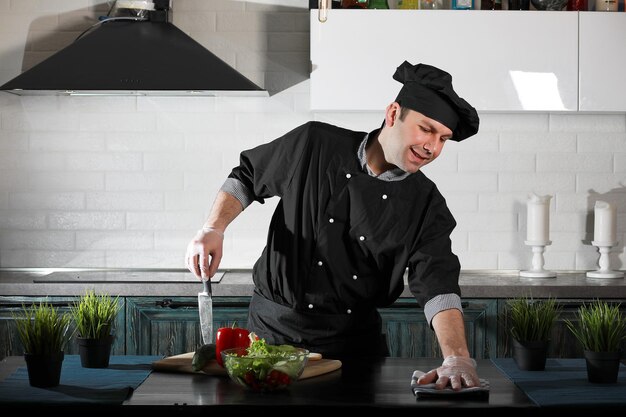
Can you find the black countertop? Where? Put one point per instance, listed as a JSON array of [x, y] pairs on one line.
[[382, 385], [180, 283], [358, 386]]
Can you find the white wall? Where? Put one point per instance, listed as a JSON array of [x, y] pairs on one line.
[[125, 182]]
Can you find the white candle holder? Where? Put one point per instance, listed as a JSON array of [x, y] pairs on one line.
[[537, 270], [603, 262]]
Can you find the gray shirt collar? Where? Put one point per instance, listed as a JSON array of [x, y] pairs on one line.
[[395, 174]]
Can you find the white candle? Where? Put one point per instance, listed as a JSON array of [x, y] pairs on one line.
[[604, 225], [606, 5], [538, 220]]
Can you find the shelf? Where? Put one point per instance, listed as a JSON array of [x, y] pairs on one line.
[[507, 61]]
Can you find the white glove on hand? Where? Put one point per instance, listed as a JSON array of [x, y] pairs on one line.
[[457, 371], [207, 242]]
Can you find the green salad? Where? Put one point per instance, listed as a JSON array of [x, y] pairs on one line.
[[265, 367]]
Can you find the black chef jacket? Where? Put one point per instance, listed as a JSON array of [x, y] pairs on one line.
[[340, 240]]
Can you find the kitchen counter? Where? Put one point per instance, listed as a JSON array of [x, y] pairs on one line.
[[382, 385], [358, 386], [180, 282]]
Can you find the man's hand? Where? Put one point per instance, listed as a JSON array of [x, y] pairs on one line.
[[207, 242], [457, 371]]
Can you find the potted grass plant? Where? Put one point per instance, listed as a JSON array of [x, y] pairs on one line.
[[94, 315], [531, 326], [44, 333], [600, 328]]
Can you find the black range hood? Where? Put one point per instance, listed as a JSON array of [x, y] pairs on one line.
[[123, 56]]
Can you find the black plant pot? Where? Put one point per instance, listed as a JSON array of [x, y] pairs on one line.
[[530, 355], [602, 367], [95, 353], [44, 371]]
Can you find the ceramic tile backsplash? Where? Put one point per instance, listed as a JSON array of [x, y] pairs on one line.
[[126, 181]]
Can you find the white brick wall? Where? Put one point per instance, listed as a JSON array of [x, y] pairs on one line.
[[125, 182]]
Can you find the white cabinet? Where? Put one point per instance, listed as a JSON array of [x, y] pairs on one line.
[[602, 61], [499, 61]]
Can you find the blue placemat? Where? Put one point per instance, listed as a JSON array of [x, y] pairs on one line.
[[110, 385], [564, 382]]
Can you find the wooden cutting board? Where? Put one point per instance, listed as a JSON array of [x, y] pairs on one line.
[[182, 363]]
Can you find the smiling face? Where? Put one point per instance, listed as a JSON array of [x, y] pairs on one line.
[[412, 141]]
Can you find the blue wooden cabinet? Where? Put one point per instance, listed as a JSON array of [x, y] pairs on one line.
[[562, 343], [170, 326], [166, 326], [10, 343], [410, 336]]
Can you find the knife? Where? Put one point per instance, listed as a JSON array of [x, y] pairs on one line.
[[205, 309]]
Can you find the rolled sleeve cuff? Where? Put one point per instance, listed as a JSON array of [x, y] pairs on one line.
[[439, 303], [235, 188]]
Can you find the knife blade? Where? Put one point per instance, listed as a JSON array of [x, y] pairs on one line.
[[205, 310]]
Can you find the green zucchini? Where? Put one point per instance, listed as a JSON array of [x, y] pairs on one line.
[[202, 356]]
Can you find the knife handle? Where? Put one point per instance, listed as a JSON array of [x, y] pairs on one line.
[[207, 285]]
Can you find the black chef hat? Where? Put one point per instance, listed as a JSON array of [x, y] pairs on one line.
[[428, 90]]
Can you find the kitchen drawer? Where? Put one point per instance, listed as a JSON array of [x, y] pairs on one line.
[[10, 342], [563, 344], [170, 326], [410, 336]]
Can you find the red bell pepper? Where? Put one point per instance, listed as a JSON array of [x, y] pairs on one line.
[[230, 337]]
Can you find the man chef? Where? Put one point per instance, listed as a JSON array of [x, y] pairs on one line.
[[355, 213]]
